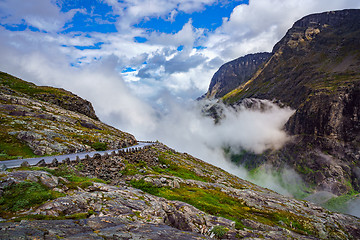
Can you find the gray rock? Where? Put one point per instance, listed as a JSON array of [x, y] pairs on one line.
[[96, 228], [55, 163], [7, 182], [2, 167], [41, 163], [25, 164]]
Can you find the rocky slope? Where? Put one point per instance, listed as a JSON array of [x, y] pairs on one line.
[[44, 120], [315, 69], [57, 96], [234, 73], [181, 197]]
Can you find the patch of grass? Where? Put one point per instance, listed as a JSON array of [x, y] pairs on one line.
[[29, 88], [68, 173], [145, 186], [24, 195], [215, 202], [339, 204], [99, 146], [175, 169], [219, 231], [12, 148], [130, 169]]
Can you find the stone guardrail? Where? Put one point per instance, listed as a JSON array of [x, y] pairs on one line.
[[76, 157]]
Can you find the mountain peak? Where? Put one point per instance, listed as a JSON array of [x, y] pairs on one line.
[[234, 73]]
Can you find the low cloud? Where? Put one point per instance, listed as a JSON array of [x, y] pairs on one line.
[[179, 123], [185, 127], [353, 207]]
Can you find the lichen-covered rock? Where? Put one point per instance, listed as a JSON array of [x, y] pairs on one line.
[[42, 177], [97, 228], [127, 202]]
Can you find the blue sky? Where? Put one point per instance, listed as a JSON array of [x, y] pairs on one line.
[[140, 53]]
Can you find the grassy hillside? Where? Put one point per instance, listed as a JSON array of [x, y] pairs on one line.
[[34, 123]]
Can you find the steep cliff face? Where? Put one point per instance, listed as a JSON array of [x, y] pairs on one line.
[[234, 73], [314, 56], [315, 69], [31, 124]]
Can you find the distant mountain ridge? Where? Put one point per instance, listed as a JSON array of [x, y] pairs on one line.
[[315, 69], [234, 73]]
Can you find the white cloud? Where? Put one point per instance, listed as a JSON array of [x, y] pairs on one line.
[[41, 14], [41, 57], [134, 11], [259, 25]]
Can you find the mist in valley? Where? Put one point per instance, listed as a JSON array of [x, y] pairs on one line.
[[187, 127]]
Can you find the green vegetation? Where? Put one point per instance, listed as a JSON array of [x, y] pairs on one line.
[[12, 148], [219, 231], [29, 88], [63, 171], [99, 146], [175, 169], [145, 186], [340, 204], [74, 179], [24, 195], [215, 202]]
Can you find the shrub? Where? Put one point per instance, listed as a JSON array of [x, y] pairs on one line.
[[99, 146], [219, 231]]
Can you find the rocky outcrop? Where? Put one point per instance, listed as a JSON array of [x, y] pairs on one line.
[[69, 102], [30, 126], [234, 73], [315, 70], [57, 96], [96, 228], [117, 209]]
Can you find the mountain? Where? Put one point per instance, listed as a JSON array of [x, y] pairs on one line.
[[150, 193], [315, 69], [44, 120], [154, 193], [232, 74]]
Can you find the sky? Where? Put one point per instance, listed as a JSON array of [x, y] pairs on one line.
[[141, 63], [153, 47], [137, 59]]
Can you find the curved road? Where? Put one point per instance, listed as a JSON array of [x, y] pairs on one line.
[[48, 159]]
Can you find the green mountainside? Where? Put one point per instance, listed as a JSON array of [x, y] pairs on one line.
[[38, 121], [315, 69]]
